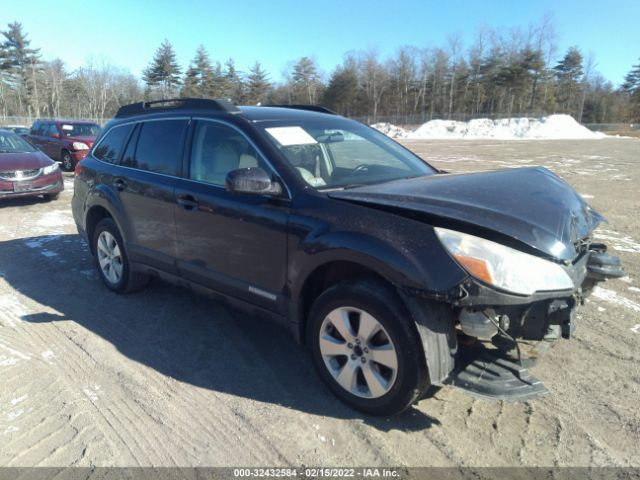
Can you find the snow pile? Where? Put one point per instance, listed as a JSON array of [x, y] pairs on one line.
[[551, 127], [391, 130]]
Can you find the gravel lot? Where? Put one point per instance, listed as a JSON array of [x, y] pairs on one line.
[[166, 377]]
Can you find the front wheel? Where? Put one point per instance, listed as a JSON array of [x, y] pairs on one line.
[[50, 197], [112, 260], [366, 348], [68, 164]]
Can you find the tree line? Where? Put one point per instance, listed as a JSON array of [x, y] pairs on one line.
[[501, 74]]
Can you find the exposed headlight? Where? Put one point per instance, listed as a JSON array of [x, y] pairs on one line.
[[50, 169], [502, 266], [80, 146]]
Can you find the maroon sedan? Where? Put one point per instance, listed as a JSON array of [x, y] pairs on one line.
[[25, 171]]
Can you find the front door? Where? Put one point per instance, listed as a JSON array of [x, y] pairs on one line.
[[232, 243]]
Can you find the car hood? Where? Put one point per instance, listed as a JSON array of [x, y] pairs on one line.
[[531, 205], [10, 162]]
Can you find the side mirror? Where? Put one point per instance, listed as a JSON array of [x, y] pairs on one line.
[[55, 135], [252, 180]]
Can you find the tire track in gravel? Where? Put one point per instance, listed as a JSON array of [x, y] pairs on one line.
[[122, 417]]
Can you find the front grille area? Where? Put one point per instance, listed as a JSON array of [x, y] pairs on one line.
[[18, 175]]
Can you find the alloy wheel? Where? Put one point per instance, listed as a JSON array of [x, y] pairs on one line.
[[358, 352], [109, 257]]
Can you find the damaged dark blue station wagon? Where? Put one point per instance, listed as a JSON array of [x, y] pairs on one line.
[[399, 277]]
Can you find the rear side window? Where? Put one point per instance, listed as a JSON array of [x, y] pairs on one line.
[[111, 146], [160, 145]]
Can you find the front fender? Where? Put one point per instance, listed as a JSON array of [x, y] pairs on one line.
[[365, 250]]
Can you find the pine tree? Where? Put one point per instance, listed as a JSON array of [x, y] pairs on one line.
[[258, 85], [306, 81], [631, 87], [234, 87], [163, 72], [199, 75], [343, 92], [21, 64], [568, 72]]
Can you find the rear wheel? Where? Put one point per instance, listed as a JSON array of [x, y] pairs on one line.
[[68, 163], [112, 260], [366, 348]]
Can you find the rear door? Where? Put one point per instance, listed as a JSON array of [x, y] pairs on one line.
[[52, 145], [232, 243], [35, 136], [145, 181]]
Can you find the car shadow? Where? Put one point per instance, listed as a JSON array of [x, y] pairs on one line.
[[22, 201], [187, 336]]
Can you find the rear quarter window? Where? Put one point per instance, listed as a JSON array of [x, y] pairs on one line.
[[110, 147], [160, 146]]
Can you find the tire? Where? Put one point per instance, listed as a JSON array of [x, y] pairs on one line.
[[112, 260], [68, 163], [49, 197], [367, 378]]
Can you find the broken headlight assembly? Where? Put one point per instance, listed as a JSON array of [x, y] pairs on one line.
[[503, 267]]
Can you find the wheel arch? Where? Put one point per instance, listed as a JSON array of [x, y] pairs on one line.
[[102, 203]]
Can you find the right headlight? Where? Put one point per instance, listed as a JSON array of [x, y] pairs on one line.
[[50, 168], [503, 267]]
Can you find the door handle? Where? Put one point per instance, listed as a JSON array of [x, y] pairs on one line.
[[188, 202], [120, 184]]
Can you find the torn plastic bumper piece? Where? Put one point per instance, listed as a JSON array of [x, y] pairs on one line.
[[601, 265], [492, 374]]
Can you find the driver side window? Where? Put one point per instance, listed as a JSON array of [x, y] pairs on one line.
[[217, 150]]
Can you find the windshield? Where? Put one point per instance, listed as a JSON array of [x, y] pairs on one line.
[[12, 143], [80, 130], [338, 153]]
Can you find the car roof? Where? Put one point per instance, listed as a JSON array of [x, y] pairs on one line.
[[220, 108], [281, 113], [65, 120]]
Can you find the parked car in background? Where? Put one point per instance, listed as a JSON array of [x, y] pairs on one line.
[[26, 171], [21, 130], [67, 141], [394, 273]]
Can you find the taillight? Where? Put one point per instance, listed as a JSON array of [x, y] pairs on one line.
[[79, 168]]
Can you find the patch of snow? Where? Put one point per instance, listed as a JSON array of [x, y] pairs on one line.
[[16, 401], [55, 219], [48, 357], [612, 297], [11, 416], [618, 242], [12, 310], [391, 130], [93, 392], [12, 351], [551, 127], [634, 289]]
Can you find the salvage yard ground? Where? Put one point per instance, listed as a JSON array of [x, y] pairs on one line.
[[167, 377]]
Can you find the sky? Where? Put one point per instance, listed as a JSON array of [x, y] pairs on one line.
[[126, 33]]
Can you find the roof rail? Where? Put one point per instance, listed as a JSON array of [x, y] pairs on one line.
[[311, 108], [142, 108]]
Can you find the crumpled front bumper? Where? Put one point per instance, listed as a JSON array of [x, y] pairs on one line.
[[543, 315]]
